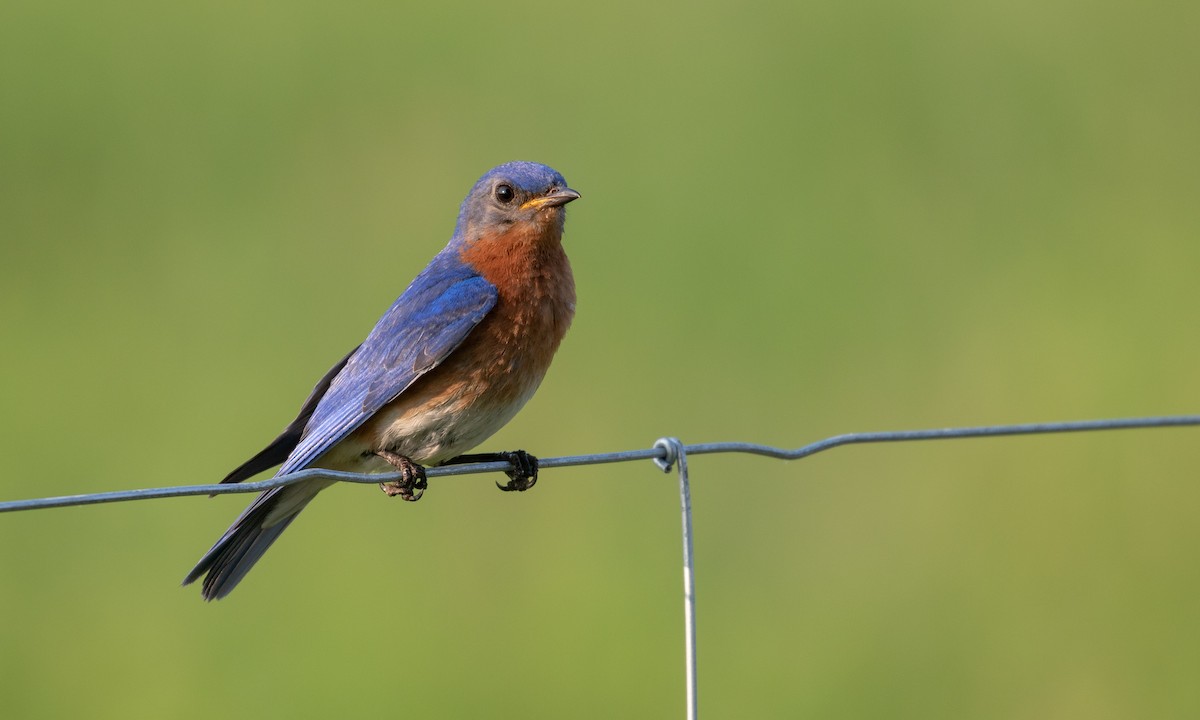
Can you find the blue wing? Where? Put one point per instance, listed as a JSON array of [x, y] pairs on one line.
[[433, 316]]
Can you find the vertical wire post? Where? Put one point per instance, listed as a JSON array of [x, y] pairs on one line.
[[675, 453]]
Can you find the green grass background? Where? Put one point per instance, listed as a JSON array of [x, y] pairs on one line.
[[798, 219]]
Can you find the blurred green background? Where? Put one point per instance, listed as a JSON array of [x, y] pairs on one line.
[[798, 220]]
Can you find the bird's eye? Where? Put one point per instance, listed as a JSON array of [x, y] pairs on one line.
[[504, 193]]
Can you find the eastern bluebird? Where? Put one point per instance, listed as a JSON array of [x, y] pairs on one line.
[[452, 360]]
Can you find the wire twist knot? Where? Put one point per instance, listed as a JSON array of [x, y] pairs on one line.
[[672, 448]]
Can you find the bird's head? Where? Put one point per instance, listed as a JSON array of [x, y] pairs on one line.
[[514, 195]]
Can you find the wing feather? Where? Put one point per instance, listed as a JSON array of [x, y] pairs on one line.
[[432, 318]]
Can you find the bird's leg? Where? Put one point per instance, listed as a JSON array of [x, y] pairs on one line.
[[524, 471], [413, 480]]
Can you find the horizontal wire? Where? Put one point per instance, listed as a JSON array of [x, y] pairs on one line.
[[661, 454]]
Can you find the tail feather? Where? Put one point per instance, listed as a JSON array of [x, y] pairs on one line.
[[228, 561], [229, 569]]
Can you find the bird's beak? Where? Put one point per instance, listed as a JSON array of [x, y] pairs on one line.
[[558, 198]]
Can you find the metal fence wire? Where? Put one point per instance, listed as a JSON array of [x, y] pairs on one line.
[[667, 453]]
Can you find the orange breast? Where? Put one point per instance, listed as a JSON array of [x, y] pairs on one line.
[[515, 343], [487, 379]]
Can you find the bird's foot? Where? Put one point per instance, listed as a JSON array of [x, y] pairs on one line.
[[524, 471], [412, 485]]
